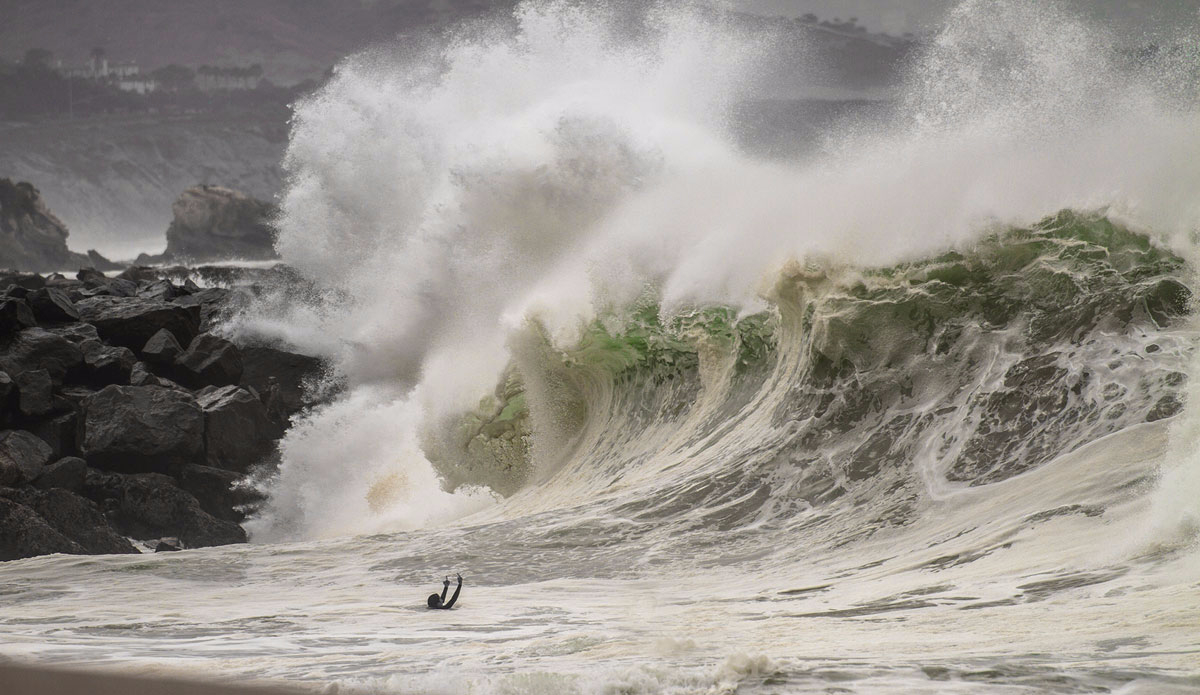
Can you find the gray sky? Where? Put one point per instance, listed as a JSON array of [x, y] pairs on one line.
[[899, 16]]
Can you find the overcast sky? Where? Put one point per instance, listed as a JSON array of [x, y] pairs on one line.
[[899, 16]]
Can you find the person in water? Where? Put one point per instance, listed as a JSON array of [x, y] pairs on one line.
[[436, 601]]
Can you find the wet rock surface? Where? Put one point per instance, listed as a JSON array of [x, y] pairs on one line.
[[141, 428], [124, 413]]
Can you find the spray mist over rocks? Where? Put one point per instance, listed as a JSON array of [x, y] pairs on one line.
[[550, 171]]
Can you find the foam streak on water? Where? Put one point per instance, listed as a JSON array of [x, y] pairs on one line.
[[909, 415]]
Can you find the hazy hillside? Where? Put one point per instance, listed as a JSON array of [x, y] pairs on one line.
[[299, 39], [293, 40], [112, 181]]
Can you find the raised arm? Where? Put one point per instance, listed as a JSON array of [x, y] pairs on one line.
[[455, 596], [445, 588]]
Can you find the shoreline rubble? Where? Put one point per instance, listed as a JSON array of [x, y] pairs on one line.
[[123, 415]]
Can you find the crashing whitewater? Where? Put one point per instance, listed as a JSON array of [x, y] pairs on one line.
[[908, 415]]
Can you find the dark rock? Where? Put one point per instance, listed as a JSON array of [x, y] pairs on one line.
[[141, 428], [36, 391], [22, 457], [69, 287], [237, 431], [139, 274], [76, 395], [210, 360], [218, 491], [97, 284], [59, 432], [151, 506], [8, 390], [91, 277], [131, 322], [214, 304], [162, 348], [25, 534], [168, 545], [105, 364], [15, 316], [213, 223], [76, 518], [37, 348], [141, 375], [78, 333], [26, 281], [67, 473], [103, 488], [52, 305], [285, 396], [161, 290]]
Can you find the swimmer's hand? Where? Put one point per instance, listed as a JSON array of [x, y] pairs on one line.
[[446, 581], [459, 577]]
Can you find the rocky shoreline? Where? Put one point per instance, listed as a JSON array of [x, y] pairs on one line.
[[124, 417]]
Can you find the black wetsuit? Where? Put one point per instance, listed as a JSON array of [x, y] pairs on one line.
[[442, 601]]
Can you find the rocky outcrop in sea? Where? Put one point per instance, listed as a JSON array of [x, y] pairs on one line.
[[32, 238], [212, 223], [125, 417]]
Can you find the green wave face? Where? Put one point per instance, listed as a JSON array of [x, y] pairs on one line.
[[967, 368]]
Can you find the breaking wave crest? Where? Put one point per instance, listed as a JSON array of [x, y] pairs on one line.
[[552, 212]]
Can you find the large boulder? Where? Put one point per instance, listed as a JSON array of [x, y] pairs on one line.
[[220, 492], [214, 223], [25, 534], [25, 281], [160, 290], [67, 473], [52, 305], [151, 506], [37, 348], [36, 391], [214, 304], [105, 364], [131, 321], [162, 348], [78, 333], [15, 316], [209, 361], [237, 431], [22, 457], [141, 428], [76, 518], [58, 431], [97, 284], [280, 377]]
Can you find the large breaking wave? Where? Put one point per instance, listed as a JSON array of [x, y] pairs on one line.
[[552, 214]]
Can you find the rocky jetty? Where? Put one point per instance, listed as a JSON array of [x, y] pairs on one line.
[[32, 238], [124, 416], [212, 223]]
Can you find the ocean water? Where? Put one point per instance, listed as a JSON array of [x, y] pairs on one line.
[[909, 414]]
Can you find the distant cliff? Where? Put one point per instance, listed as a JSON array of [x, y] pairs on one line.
[[31, 237]]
